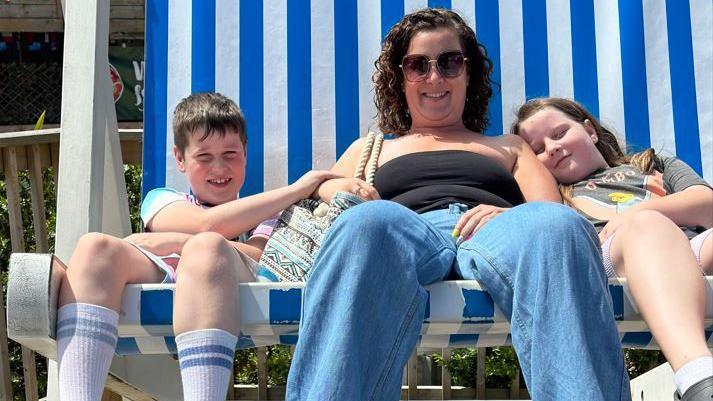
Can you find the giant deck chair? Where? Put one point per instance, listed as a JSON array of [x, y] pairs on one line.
[[301, 72]]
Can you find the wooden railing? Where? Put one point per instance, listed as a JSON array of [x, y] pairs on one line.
[[34, 151]]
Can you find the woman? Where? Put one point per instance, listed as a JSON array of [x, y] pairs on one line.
[[365, 301]]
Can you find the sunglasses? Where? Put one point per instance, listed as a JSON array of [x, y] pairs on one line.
[[416, 67]]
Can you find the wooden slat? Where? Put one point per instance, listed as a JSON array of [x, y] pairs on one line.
[[261, 373], [32, 25], [29, 370], [30, 11], [116, 386], [13, 200], [38, 199], [5, 384], [126, 12], [515, 386], [480, 373], [446, 393], [412, 369]]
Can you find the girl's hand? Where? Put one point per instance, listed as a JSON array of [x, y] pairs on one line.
[[472, 220], [613, 225], [160, 243], [306, 185], [352, 185]]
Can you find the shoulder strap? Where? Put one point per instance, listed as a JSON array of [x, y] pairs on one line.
[[369, 157]]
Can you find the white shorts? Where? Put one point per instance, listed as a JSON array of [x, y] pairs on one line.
[[169, 263], [696, 246]]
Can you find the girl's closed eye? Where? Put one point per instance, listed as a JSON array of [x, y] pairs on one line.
[[559, 133]]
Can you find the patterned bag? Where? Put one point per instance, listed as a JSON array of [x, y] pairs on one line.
[[295, 240]]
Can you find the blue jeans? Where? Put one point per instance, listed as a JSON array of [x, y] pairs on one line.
[[364, 301]]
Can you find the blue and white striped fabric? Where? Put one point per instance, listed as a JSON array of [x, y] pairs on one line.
[[458, 314], [301, 71]]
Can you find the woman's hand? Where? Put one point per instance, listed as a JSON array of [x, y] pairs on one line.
[[475, 218], [308, 183], [160, 244], [352, 185]]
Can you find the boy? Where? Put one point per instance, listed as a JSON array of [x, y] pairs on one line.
[[188, 234]]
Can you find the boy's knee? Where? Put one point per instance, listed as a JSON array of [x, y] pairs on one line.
[[208, 256]]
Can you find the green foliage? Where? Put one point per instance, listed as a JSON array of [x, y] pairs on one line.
[[501, 366]]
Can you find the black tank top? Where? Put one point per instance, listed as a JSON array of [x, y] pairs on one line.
[[431, 180]]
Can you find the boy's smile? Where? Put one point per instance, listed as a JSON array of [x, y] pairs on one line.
[[215, 166]]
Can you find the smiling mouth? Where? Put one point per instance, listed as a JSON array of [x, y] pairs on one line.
[[220, 181], [559, 162], [435, 95]]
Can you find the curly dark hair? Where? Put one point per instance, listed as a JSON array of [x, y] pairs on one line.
[[388, 79]]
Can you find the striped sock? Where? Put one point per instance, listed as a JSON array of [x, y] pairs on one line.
[[86, 340], [206, 359]]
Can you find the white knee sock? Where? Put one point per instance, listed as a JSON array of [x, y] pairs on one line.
[[692, 372], [86, 340], [206, 359]]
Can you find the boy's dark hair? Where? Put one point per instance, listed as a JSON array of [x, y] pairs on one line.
[[212, 112]]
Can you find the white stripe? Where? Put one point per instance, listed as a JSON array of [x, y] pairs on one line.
[[701, 22], [369, 47], [466, 9], [512, 64], [324, 131], [658, 78], [178, 80], [151, 345], [559, 49], [611, 89], [414, 5], [275, 92], [227, 48]]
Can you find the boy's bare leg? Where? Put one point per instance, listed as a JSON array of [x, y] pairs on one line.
[[100, 268], [206, 315], [666, 283], [90, 296]]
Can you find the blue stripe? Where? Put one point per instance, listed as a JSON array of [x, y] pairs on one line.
[[537, 79], [156, 307], [156, 70], [633, 65], [220, 362], [203, 46], [251, 93], [440, 3], [127, 346], [346, 73], [93, 334], [391, 13], [171, 344], [299, 95], [487, 23], [86, 323], [478, 305], [463, 340], [617, 296], [683, 86], [288, 339], [584, 55], [637, 338], [206, 349], [285, 306]]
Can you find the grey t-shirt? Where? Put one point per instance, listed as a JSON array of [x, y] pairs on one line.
[[610, 191]]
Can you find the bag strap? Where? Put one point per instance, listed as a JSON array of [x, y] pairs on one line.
[[369, 157]]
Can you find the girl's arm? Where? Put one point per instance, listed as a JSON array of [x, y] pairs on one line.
[[691, 207], [536, 183]]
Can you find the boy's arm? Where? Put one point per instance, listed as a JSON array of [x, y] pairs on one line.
[[235, 217]]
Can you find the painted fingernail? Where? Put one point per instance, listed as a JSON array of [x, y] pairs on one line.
[[455, 233], [459, 240]]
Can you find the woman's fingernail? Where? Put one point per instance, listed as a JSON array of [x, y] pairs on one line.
[[455, 233], [459, 240]]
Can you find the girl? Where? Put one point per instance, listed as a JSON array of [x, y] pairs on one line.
[[646, 208]]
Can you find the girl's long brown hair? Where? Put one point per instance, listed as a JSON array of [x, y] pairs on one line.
[[607, 144]]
